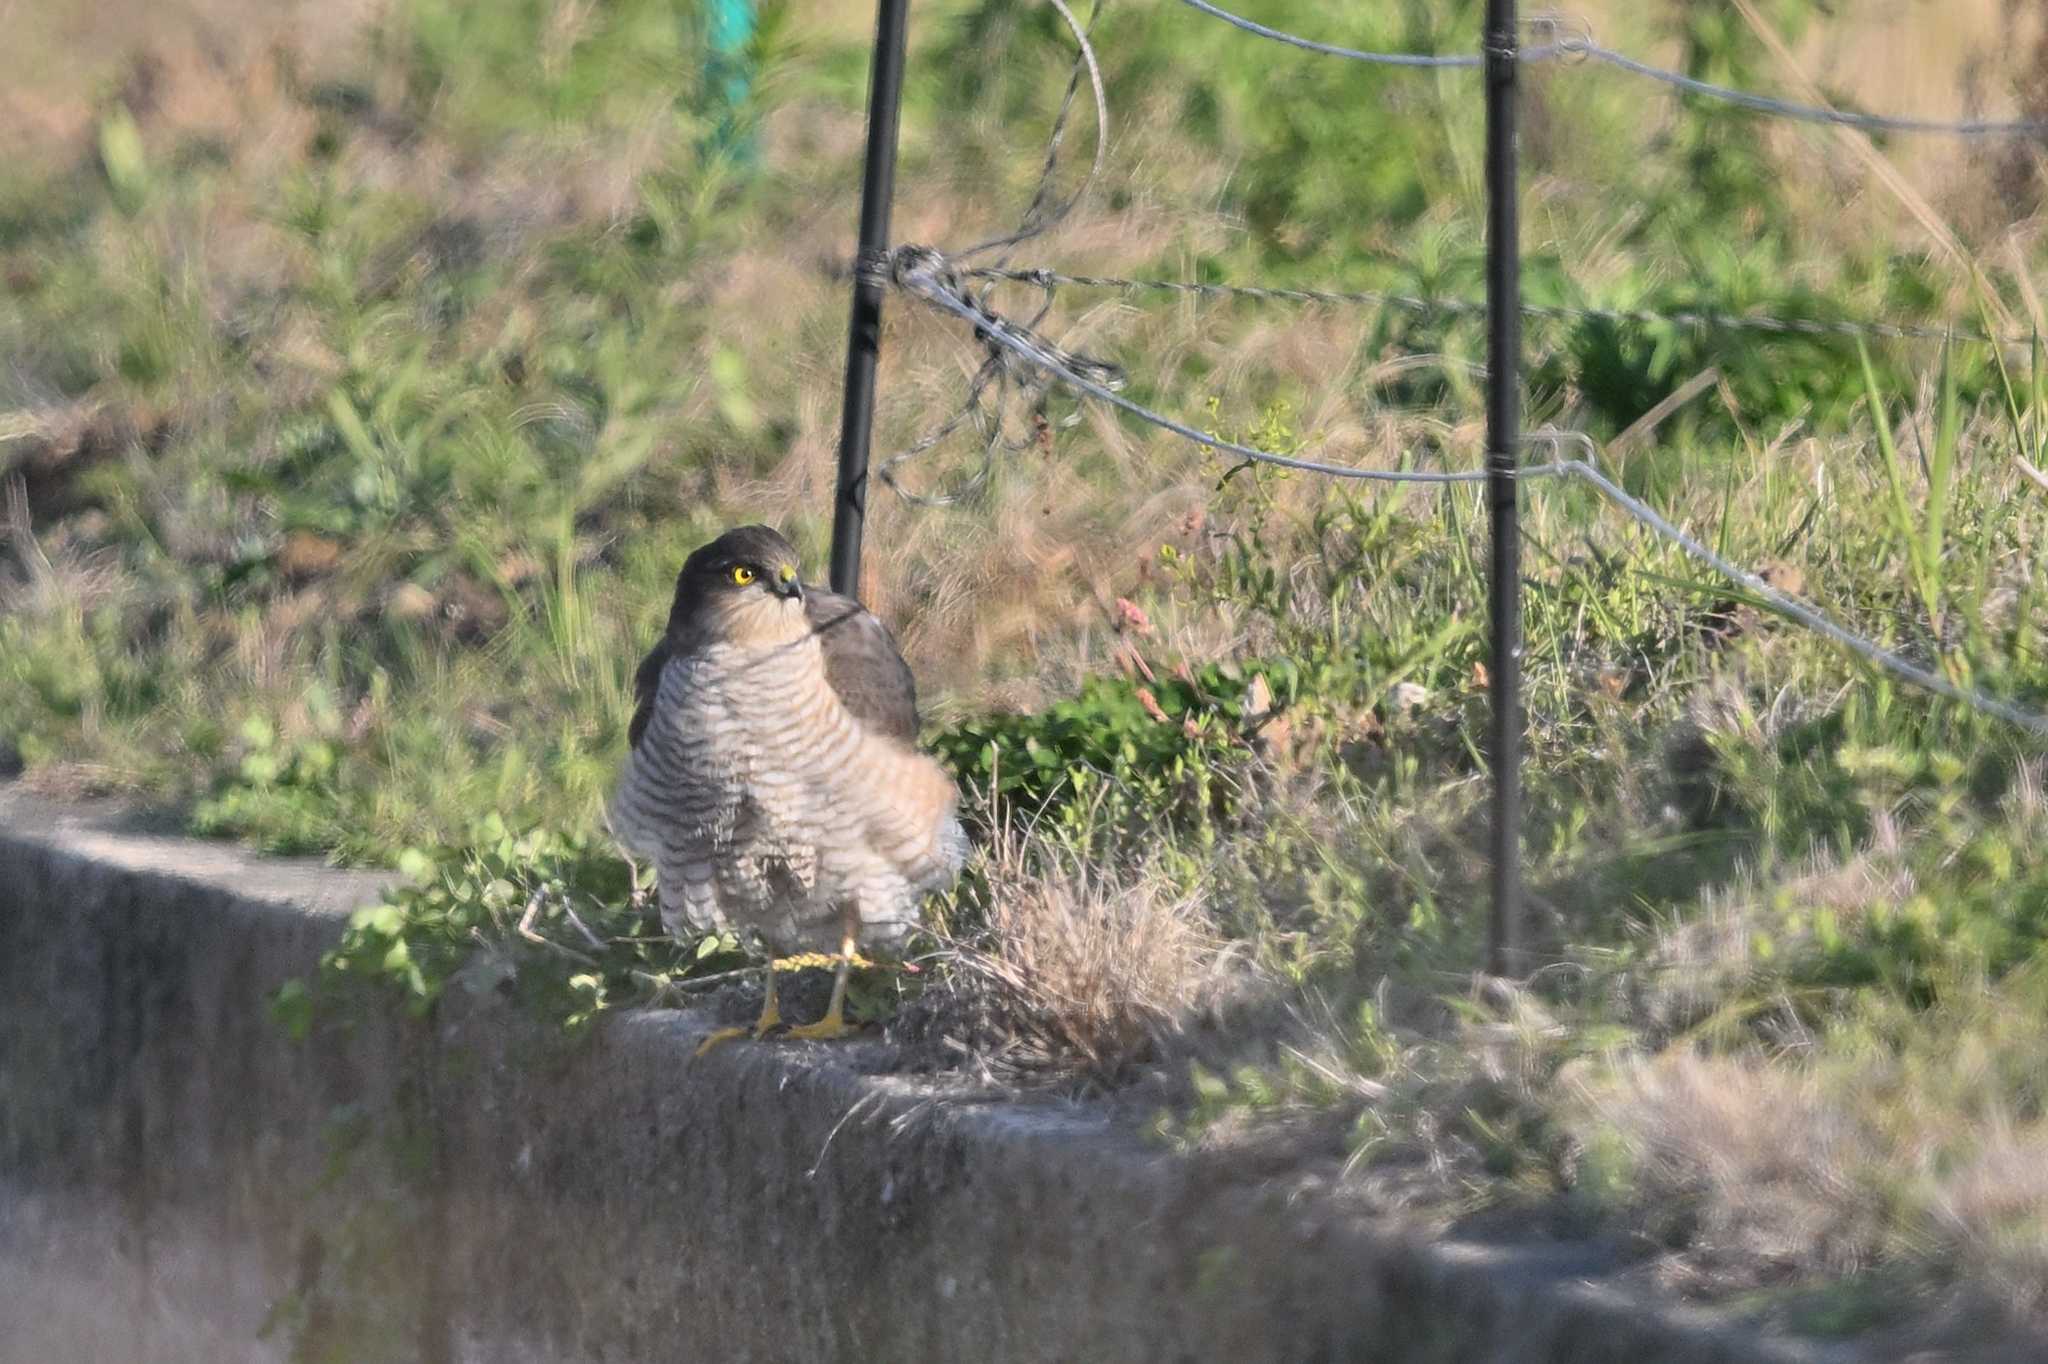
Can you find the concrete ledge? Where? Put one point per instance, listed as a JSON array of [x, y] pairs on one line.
[[176, 1176]]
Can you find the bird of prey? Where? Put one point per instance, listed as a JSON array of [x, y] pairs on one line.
[[774, 778]]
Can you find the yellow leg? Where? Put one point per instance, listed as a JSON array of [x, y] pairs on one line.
[[770, 1019], [834, 1023]]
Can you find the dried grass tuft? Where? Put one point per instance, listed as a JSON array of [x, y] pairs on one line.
[[1747, 1168], [1757, 1176], [1078, 970]]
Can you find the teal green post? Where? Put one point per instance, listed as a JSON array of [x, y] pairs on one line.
[[729, 74]]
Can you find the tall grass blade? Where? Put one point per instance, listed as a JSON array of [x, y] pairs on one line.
[[1899, 506]]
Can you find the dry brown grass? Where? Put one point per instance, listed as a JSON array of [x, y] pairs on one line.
[[1763, 1153], [1748, 1167], [1796, 1174], [193, 66], [1078, 969]]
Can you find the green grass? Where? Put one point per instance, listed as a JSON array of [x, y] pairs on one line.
[[352, 451]]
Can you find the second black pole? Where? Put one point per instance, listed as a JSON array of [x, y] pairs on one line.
[[864, 334], [1503, 453]]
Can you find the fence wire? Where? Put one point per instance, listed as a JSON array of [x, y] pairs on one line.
[[1460, 307], [995, 383], [928, 276], [1898, 665], [1018, 360], [1808, 113], [1582, 46], [1352, 54]]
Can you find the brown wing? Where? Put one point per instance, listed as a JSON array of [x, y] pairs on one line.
[[863, 665], [646, 682]]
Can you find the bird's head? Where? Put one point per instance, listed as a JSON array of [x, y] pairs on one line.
[[744, 586]]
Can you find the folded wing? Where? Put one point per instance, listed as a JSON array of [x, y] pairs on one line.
[[862, 665]]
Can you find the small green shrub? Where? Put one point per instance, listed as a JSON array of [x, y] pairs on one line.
[[1170, 751], [554, 920], [285, 796]]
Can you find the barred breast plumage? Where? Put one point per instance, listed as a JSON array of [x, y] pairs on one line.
[[768, 803]]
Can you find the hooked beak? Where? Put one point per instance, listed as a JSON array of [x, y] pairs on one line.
[[787, 585]]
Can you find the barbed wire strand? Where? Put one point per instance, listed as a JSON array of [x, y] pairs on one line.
[[987, 417], [1459, 307], [1584, 47], [924, 273]]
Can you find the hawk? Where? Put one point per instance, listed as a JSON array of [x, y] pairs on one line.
[[773, 778]]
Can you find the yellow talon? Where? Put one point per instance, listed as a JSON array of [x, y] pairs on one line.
[[831, 1026], [770, 1019], [722, 1035]]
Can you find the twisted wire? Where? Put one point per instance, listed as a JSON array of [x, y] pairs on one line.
[[993, 383], [925, 274], [1037, 219], [1352, 54]]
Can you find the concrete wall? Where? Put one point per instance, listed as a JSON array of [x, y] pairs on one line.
[[176, 1175]]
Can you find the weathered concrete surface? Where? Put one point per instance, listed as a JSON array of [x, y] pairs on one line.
[[176, 1176]]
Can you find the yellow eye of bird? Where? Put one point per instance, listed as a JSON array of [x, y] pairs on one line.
[[742, 575]]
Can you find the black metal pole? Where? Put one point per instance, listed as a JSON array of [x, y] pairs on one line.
[[864, 336], [1503, 450]]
